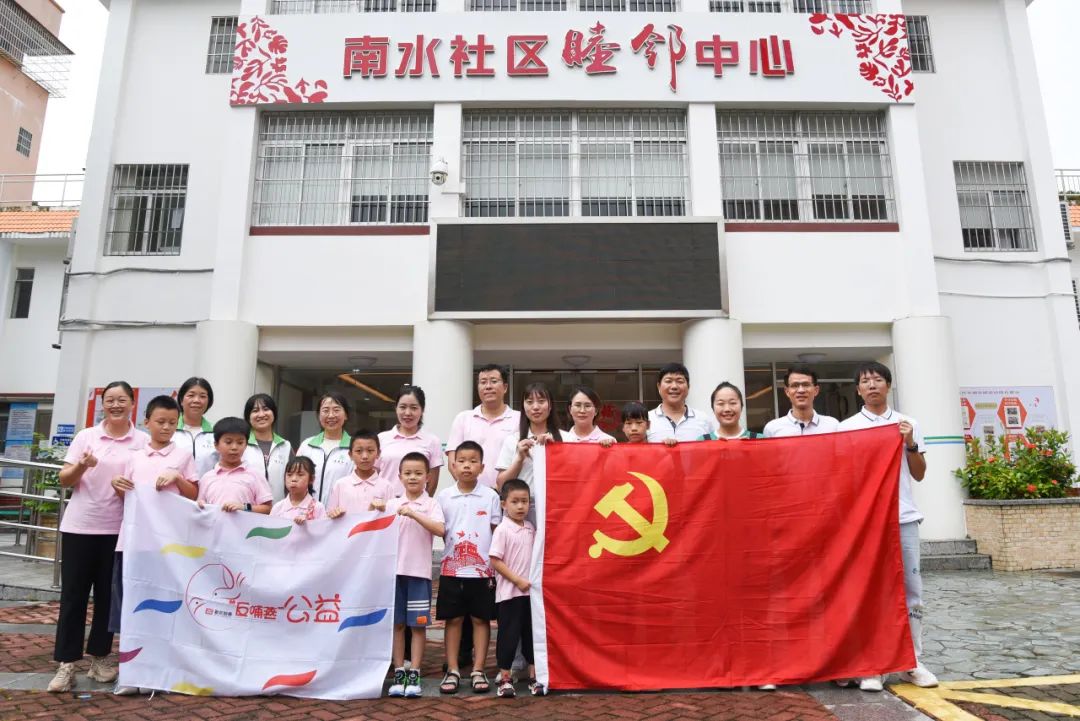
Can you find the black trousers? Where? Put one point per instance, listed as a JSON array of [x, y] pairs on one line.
[[515, 626], [87, 565]]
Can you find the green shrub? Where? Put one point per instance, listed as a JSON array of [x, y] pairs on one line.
[[1035, 466]]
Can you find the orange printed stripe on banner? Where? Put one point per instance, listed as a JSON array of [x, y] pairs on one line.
[[296, 679], [724, 563]]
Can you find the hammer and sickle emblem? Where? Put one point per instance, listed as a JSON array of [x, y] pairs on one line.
[[650, 533]]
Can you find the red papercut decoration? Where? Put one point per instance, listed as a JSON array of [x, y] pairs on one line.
[[529, 62], [259, 69], [772, 56], [366, 56], [417, 53], [717, 53], [475, 54], [880, 46], [648, 39], [596, 51]]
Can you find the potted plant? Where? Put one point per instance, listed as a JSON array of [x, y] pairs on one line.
[[1020, 510]]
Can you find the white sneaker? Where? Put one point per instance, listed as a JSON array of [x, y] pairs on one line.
[[125, 690], [101, 670], [844, 682], [767, 687], [871, 683], [921, 676], [412, 683], [397, 689], [64, 680]]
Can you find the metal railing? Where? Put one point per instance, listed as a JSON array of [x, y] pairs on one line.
[[1068, 182], [30, 517], [49, 190]]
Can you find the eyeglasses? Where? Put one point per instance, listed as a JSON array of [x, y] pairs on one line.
[[582, 406], [801, 386]]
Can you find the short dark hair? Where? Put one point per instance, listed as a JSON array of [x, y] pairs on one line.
[[365, 434], [504, 372], [231, 424], [416, 392], [415, 456], [470, 446], [676, 369], [167, 403], [722, 386], [800, 369], [196, 382], [634, 411], [260, 399], [514, 484], [871, 368], [123, 385]]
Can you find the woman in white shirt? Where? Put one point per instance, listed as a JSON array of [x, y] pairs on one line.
[[329, 450], [584, 407], [196, 397], [539, 425], [267, 451]]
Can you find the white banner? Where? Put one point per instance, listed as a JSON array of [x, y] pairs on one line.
[[237, 604]]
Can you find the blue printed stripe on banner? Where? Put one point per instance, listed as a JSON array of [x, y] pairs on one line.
[[152, 604], [368, 619]]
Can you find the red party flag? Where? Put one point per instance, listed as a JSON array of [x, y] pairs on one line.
[[722, 563]]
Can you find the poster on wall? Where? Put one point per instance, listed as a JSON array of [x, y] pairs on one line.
[[19, 441], [143, 395], [1005, 411]]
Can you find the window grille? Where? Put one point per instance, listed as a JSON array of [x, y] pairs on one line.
[[1065, 223], [219, 55], [1076, 300], [146, 212], [316, 7], [24, 286], [575, 163], [342, 169], [791, 167], [32, 48], [850, 7], [24, 142], [922, 51], [995, 211]]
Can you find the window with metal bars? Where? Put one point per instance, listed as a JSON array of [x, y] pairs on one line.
[[1065, 223], [24, 142], [342, 168], [850, 7], [24, 287], [575, 163], [995, 210], [316, 7], [922, 51], [582, 5], [33, 48], [798, 167], [219, 54], [146, 211], [1076, 301]]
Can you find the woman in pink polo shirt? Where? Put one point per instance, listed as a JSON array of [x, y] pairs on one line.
[[88, 532], [584, 406], [408, 436]]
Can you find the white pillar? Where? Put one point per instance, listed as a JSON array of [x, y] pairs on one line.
[[926, 388], [7, 277], [713, 353], [226, 353], [442, 365], [444, 201], [706, 198]]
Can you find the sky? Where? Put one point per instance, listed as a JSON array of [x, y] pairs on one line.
[[1055, 26]]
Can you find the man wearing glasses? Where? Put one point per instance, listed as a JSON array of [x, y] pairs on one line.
[[801, 387], [488, 424], [874, 381]]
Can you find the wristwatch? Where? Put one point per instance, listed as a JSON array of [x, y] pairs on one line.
[[910, 449], [247, 506]]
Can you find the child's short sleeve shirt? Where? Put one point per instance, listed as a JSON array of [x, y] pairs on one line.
[[469, 518], [415, 541], [513, 545]]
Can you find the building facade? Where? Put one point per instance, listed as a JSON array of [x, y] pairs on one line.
[[287, 195]]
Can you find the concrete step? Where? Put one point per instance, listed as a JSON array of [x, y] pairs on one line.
[[957, 562], [949, 547]]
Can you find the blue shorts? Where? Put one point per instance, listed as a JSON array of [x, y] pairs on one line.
[[412, 603]]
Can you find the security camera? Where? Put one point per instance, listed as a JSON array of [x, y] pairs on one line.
[[439, 171]]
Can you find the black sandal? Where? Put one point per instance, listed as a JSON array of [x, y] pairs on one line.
[[536, 688], [450, 683], [479, 681]]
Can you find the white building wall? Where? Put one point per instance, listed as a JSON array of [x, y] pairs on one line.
[[28, 362]]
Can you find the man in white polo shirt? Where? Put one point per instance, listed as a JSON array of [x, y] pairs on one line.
[[874, 381], [801, 387], [673, 420]]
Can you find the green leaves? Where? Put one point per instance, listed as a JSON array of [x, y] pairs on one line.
[[1036, 465]]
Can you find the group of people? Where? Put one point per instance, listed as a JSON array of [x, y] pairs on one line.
[[486, 517]]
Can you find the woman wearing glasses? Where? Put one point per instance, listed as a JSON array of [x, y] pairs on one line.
[[329, 450], [584, 407]]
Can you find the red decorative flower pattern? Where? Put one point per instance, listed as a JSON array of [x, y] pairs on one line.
[[259, 69], [881, 45]]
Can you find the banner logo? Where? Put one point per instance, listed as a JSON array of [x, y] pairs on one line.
[[650, 533]]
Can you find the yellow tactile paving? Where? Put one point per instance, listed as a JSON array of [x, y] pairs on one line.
[[940, 702]]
